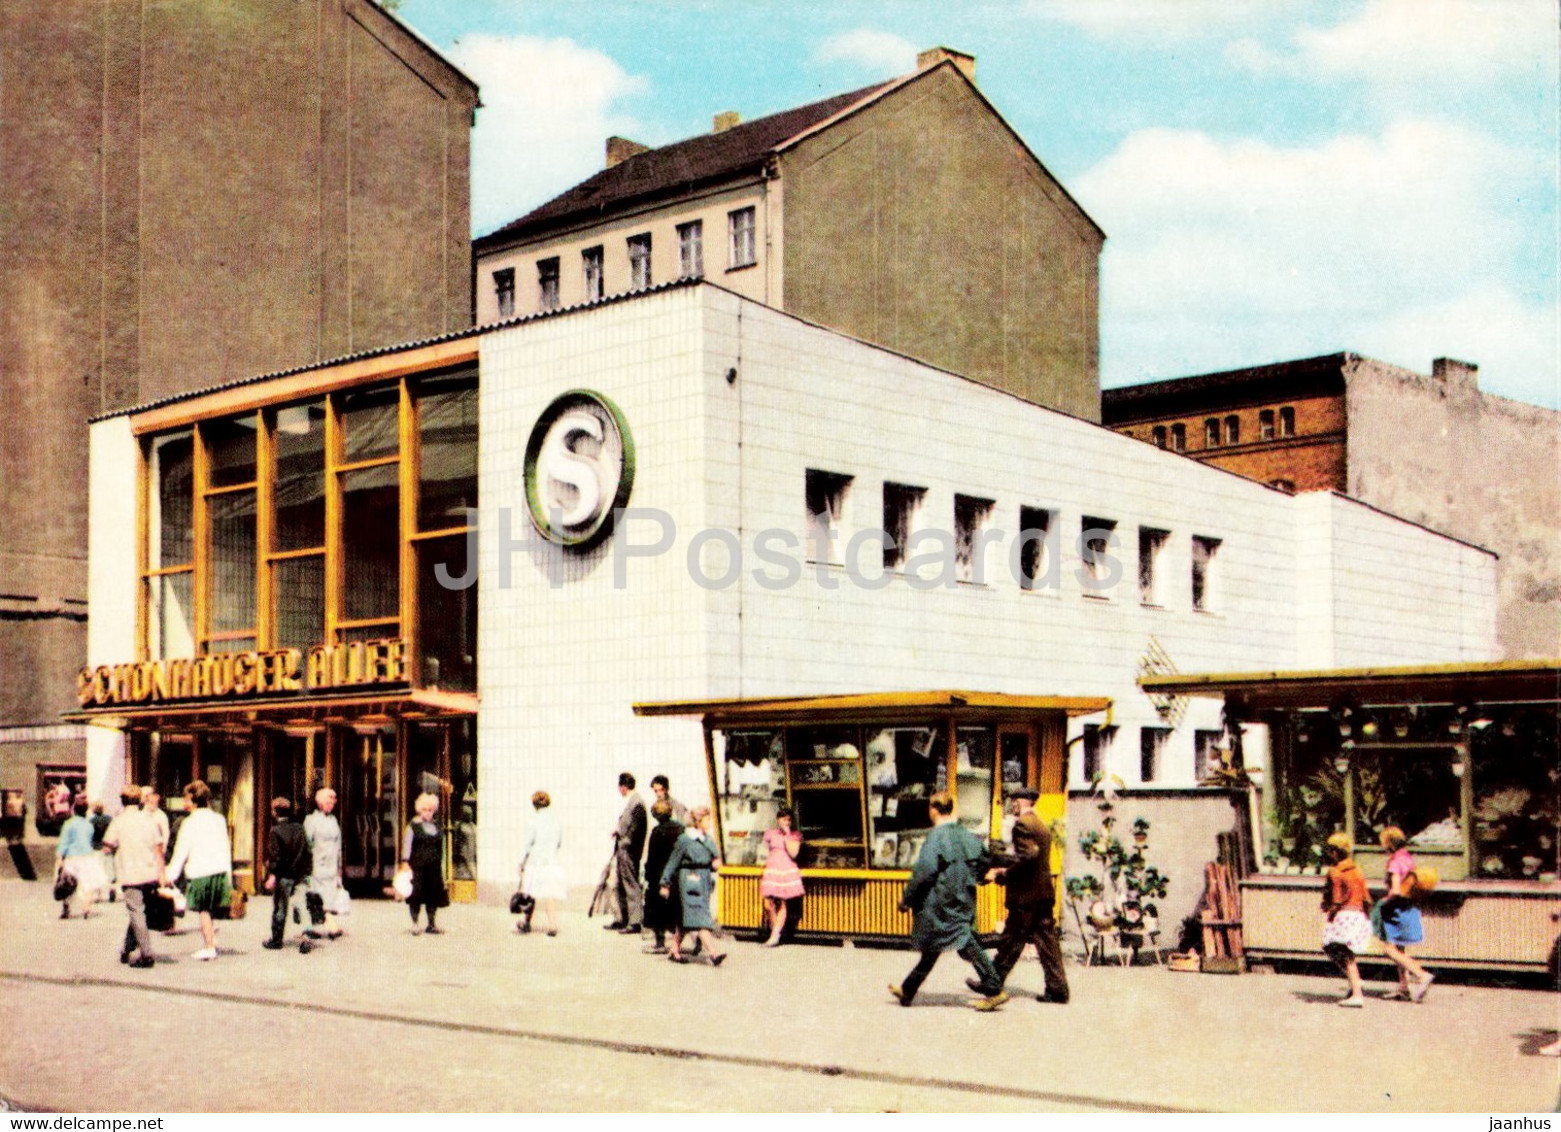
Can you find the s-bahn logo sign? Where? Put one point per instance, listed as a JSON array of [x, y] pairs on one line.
[[579, 468]]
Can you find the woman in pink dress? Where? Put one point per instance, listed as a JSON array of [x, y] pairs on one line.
[[782, 880]]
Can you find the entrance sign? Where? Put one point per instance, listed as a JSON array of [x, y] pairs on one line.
[[239, 674], [579, 468]]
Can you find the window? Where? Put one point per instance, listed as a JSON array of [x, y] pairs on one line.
[[1265, 425], [591, 266], [1151, 746], [1150, 545], [740, 228], [1209, 753], [1204, 551], [1178, 438], [900, 507], [1097, 750], [1095, 538], [1037, 558], [170, 581], [504, 291], [1211, 433], [1286, 486], [825, 494], [1159, 436], [1233, 429], [547, 283], [970, 517], [691, 254], [1287, 421], [639, 261]]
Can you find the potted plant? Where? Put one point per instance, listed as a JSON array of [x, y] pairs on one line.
[[1141, 831]]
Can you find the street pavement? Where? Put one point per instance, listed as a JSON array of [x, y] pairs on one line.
[[480, 1019]]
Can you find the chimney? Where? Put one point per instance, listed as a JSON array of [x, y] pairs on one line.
[[621, 149], [1455, 374], [935, 55], [725, 121]]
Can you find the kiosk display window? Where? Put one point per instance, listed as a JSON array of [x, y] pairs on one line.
[[751, 785]]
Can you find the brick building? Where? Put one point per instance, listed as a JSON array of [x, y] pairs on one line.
[[1434, 449], [193, 192], [908, 214]]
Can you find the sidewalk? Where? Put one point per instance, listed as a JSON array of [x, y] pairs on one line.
[[480, 1019]]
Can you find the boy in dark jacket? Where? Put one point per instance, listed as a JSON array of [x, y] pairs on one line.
[[288, 857]]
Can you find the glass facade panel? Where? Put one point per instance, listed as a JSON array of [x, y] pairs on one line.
[[447, 430], [300, 478], [825, 766], [369, 423], [298, 602], [370, 830], [370, 543], [171, 616], [447, 617], [973, 768], [232, 592], [231, 445], [903, 764], [171, 524]]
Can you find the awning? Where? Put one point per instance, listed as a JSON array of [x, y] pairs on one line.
[[373, 705], [1497, 682], [996, 705]]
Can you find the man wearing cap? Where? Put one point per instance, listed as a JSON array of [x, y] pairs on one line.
[[1031, 899]]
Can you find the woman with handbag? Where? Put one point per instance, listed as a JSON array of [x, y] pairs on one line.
[[422, 857], [80, 867], [1397, 920], [324, 895], [1347, 932], [541, 866]]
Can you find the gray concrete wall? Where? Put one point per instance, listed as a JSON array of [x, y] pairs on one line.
[[1482, 468]]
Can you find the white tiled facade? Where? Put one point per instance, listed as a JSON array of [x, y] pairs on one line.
[[730, 403], [1310, 580]]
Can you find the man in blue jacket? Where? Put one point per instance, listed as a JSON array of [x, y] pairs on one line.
[[942, 895]]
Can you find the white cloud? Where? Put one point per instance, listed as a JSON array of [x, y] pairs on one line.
[[1158, 20], [1404, 41], [873, 50], [1233, 253], [548, 106]]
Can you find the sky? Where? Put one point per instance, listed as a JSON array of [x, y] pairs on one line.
[[1277, 179]]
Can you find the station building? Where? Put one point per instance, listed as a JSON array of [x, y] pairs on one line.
[[880, 577]]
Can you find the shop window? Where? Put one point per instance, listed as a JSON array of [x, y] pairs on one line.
[[743, 247], [825, 499], [1211, 433], [1037, 556], [591, 267], [447, 451], [1265, 424], [547, 283], [1095, 538], [691, 250], [639, 261], [1159, 435], [1233, 429], [504, 291], [1178, 438], [905, 767], [446, 616], [824, 765], [1151, 753], [1151, 545], [1516, 815], [974, 764], [971, 516], [1204, 552], [901, 505], [1287, 421], [750, 767], [299, 492], [1414, 790]]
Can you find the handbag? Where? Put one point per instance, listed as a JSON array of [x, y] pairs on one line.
[[521, 904], [401, 883], [64, 886], [238, 904]]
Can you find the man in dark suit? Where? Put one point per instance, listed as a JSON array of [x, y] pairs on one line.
[[628, 846], [1031, 899]]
